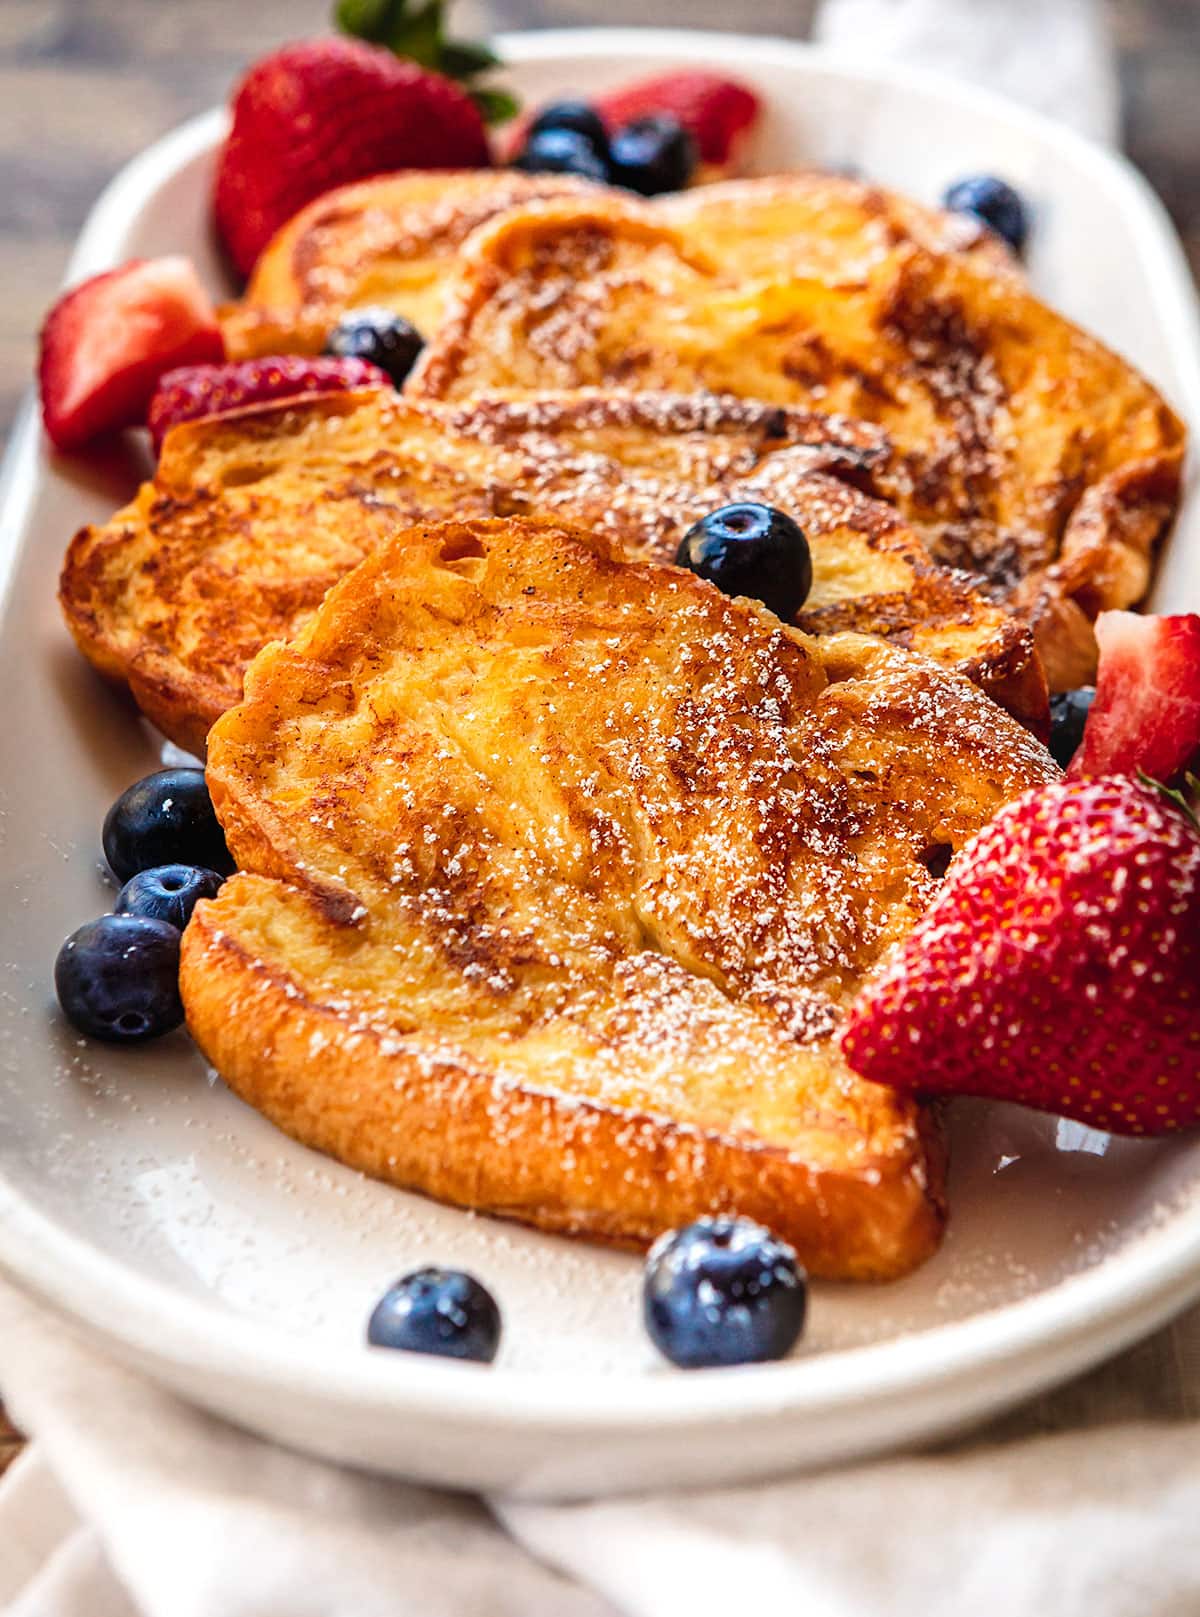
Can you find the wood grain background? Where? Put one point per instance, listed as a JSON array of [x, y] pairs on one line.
[[84, 84]]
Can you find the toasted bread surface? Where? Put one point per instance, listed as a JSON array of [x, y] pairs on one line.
[[559, 872], [385, 242], [251, 519], [1021, 449], [390, 241]]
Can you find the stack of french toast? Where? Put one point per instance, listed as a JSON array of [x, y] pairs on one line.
[[559, 867]]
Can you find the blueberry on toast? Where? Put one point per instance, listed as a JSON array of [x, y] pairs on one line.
[[557, 875]]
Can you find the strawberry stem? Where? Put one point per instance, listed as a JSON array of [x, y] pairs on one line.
[[415, 29], [1185, 799]]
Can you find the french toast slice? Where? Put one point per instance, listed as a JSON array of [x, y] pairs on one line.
[[385, 241], [1021, 450], [390, 241], [558, 873], [252, 517]]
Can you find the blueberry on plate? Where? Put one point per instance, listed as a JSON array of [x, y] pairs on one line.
[[723, 1291], [652, 155], [579, 116], [1068, 715], [165, 819], [995, 202], [437, 1311], [118, 978], [749, 549], [561, 151], [167, 893], [384, 338]]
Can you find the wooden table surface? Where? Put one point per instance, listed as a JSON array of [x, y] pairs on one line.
[[84, 84]]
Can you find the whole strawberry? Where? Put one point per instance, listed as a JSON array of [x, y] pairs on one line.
[[1059, 965], [323, 112]]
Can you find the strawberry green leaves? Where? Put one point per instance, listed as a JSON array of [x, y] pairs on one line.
[[415, 30]]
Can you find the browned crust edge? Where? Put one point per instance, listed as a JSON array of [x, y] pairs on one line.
[[1110, 537], [451, 1130], [184, 709], [184, 706]]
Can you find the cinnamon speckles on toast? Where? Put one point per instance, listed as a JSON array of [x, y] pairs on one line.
[[252, 517], [559, 874]]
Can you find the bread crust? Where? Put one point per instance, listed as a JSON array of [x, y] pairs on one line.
[[253, 516], [559, 873], [387, 240], [1021, 450], [448, 1128], [390, 240]]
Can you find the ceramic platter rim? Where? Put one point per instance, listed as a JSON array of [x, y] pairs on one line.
[[1026, 1343]]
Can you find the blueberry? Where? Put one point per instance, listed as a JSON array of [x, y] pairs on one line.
[[749, 549], [562, 151], [118, 978], [652, 155], [165, 819], [1068, 715], [723, 1291], [437, 1311], [993, 201], [576, 115], [167, 893], [386, 339]]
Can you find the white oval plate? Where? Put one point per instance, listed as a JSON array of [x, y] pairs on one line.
[[140, 1198]]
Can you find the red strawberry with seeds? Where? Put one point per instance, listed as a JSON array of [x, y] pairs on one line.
[[105, 344], [1059, 965], [206, 390], [323, 112], [717, 112], [1146, 715]]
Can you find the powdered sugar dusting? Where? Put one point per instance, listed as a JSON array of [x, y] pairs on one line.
[[611, 838]]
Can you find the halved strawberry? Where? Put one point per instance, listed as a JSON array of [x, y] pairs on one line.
[[717, 112], [204, 390], [1059, 965], [1146, 715], [105, 344]]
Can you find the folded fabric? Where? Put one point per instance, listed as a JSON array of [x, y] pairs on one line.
[[131, 1502], [1054, 55]]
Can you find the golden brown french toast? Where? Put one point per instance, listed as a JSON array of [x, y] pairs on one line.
[[1021, 449], [390, 241], [558, 874], [252, 517], [385, 242]]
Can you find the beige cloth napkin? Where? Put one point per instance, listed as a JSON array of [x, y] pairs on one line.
[[1054, 55], [131, 1504]]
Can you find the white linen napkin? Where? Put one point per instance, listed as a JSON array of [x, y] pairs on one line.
[[129, 1503], [132, 1504], [1054, 55]]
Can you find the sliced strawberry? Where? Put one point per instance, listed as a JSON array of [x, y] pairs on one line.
[[205, 390], [1059, 965], [323, 112], [1146, 715], [718, 113], [105, 344]]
